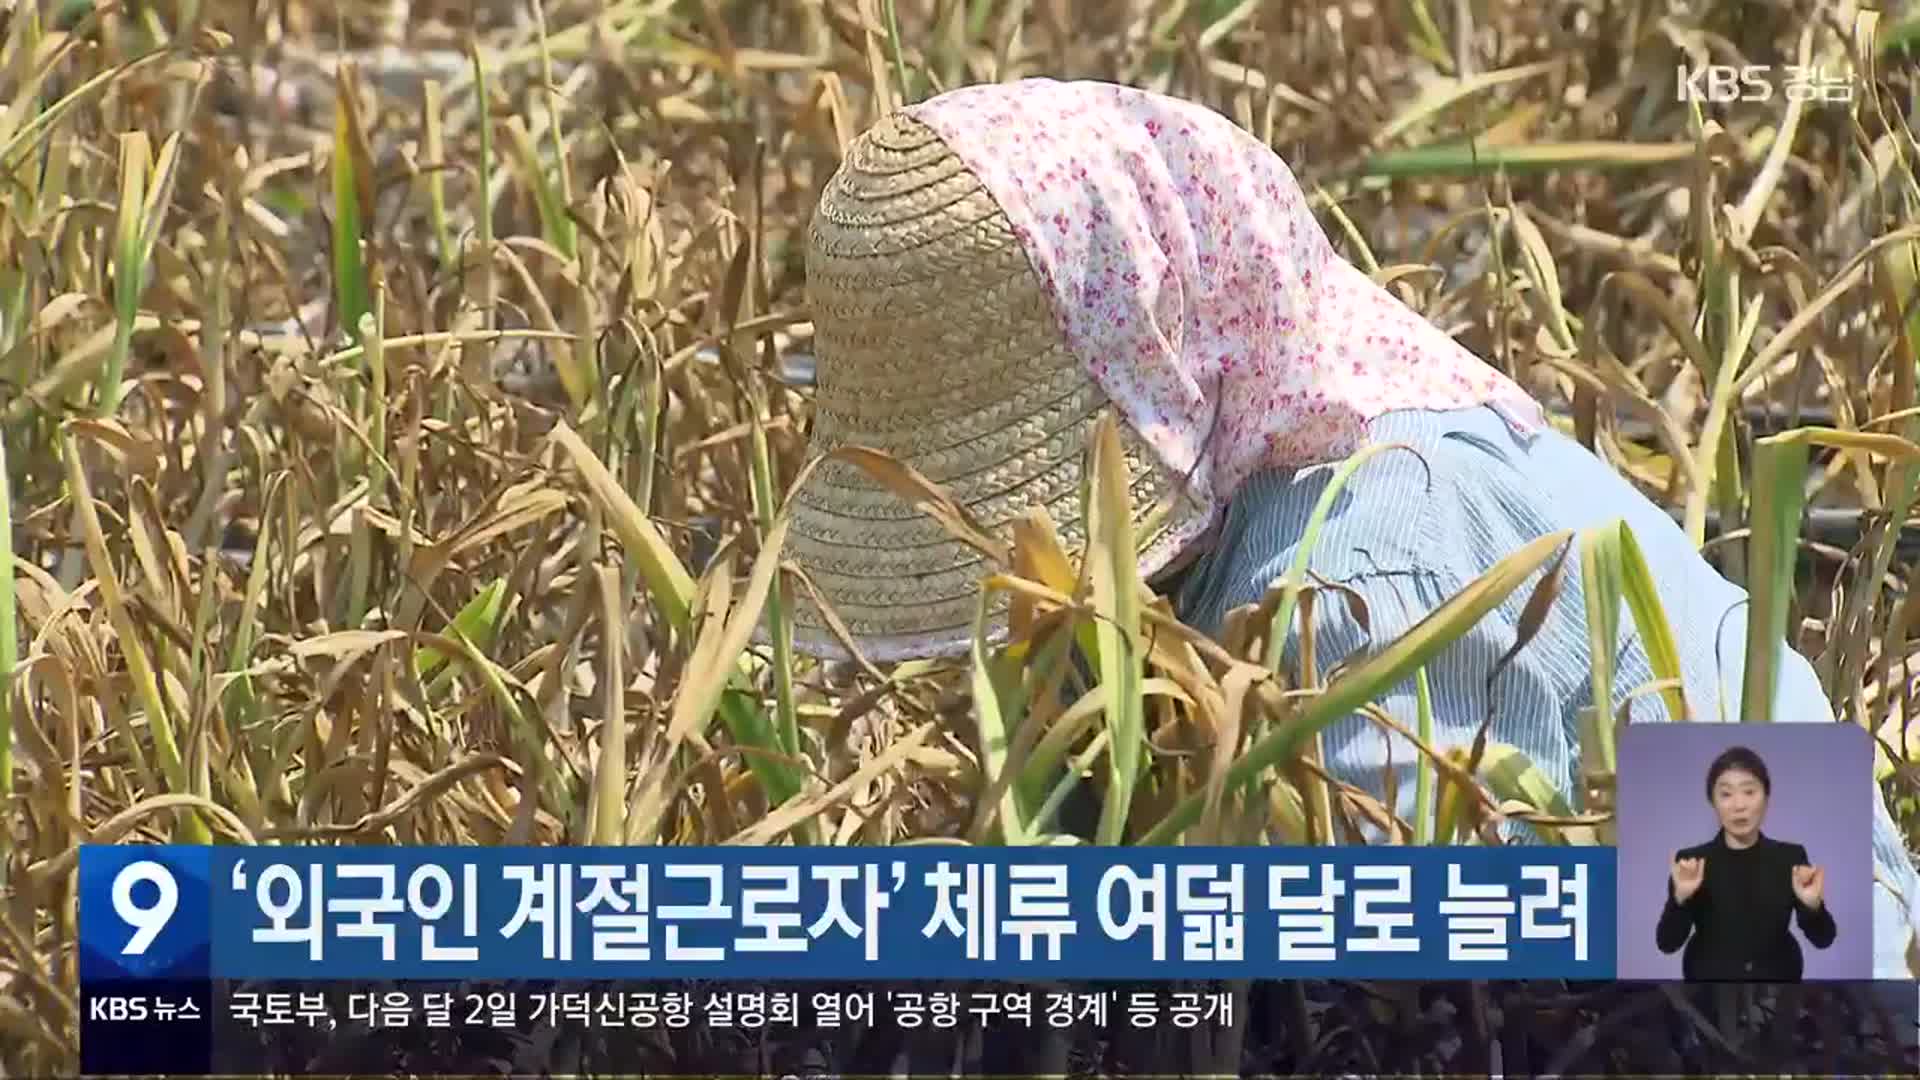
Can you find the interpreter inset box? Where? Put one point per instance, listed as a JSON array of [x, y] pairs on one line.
[[1745, 852]]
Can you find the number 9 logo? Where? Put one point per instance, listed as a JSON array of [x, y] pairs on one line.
[[147, 922]]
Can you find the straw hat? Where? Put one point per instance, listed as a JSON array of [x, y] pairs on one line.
[[937, 344]]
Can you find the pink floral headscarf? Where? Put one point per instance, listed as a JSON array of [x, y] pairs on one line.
[[1189, 275]]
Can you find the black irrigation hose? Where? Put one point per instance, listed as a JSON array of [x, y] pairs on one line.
[[1832, 526]]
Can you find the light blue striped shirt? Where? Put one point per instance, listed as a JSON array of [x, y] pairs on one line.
[[1406, 535]]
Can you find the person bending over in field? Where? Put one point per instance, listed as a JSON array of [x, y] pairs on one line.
[[991, 270]]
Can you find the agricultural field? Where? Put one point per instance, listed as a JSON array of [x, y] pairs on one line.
[[399, 402]]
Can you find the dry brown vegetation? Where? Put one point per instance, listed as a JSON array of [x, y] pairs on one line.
[[397, 401]]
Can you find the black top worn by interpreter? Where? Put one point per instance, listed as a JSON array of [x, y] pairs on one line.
[[1735, 924]]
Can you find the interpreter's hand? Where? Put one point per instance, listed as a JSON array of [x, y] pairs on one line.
[[1687, 876], [1809, 884]]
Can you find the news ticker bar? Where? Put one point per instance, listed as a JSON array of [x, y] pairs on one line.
[[789, 1028], [194, 914], [333, 1027]]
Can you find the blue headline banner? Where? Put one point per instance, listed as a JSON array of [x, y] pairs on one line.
[[289, 913]]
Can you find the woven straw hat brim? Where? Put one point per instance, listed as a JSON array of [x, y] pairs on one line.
[[938, 345]]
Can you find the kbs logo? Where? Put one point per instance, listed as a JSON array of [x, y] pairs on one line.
[[1720, 84], [117, 1008]]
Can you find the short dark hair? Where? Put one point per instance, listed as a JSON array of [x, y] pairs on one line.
[[1738, 757]]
